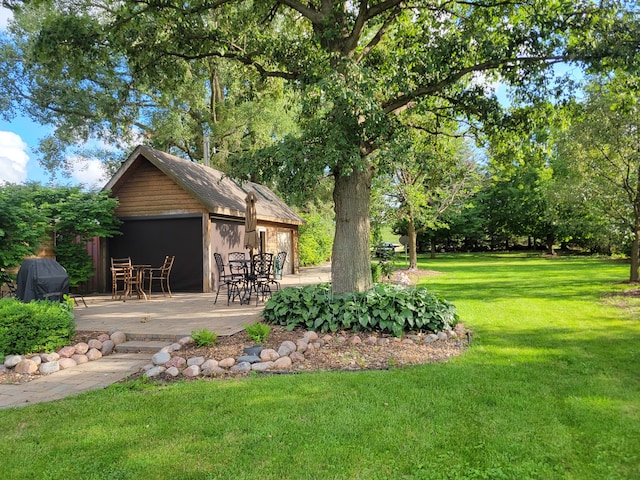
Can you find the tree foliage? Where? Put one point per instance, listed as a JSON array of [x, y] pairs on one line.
[[361, 71], [601, 147], [71, 216]]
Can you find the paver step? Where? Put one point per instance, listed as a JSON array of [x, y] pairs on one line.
[[141, 346]]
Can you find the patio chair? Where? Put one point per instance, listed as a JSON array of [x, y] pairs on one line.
[[236, 256], [262, 274], [121, 273], [231, 280], [278, 266], [161, 275]]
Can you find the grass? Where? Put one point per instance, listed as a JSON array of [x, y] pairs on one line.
[[550, 388]]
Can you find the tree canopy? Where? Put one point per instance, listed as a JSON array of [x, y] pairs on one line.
[[359, 71]]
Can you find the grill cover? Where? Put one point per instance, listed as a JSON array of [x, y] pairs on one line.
[[40, 276]]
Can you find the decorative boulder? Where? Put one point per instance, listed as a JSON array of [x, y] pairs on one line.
[[26, 367]]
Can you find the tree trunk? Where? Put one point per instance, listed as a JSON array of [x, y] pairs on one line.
[[351, 259], [550, 241], [413, 249], [433, 247]]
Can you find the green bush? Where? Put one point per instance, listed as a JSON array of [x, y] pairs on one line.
[[376, 271], [204, 337], [315, 239], [40, 326], [258, 332], [386, 307]]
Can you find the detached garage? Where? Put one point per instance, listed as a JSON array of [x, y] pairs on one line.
[[171, 206]]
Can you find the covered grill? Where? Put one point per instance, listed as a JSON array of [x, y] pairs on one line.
[[39, 277]]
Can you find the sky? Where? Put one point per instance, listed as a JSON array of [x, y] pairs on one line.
[[18, 157]]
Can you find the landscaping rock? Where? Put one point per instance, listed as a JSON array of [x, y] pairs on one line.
[[36, 359], [356, 340], [67, 352], [107, 347], [297, 357], [192, 371], [249, 359], [227, 362], [185, 341], [172, 371], [283, 363], [302, 344], [286, 348], [94, 354], [269, 354], [214, 372], [261, 366], [442, 336], [195, 361], [432, 337], [160, 358], [155, 371], [382, 341], [26, 367], [253, 351], [310, 336], [80, 359], [49, 367], [103, 337], [208, 367], [93, 343], [49, 357], [178, 362], [65, 363], [118, 337], [81, 348], [241, 367], [174, 347], [370, 340]]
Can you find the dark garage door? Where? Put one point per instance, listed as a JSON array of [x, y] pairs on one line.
[[148, 241]]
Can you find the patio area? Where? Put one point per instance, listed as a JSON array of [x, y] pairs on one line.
[[164, 318]]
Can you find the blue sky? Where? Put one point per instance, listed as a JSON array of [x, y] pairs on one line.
[[18, 159]]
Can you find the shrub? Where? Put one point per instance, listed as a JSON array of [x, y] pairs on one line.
[[40, 326], [376, 271], [315, 239], [386, 307], [258, 332], [204, 337]]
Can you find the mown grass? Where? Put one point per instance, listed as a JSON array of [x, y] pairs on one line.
[[550, 388]]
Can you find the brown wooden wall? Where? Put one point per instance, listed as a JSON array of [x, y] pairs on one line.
[[148, 191]]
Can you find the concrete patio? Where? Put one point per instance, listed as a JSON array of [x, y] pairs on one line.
[[157, 322], [165, 318]]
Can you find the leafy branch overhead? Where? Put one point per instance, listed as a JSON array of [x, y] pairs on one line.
[[293, 91]]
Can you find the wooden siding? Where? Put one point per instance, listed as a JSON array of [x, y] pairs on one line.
[[148, 191]]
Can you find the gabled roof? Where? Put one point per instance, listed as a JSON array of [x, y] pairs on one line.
[[218, 193]]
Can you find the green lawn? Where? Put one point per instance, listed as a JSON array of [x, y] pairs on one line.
[[550, 388]]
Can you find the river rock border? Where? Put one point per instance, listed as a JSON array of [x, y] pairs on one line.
[[65, 357], [258, 359]]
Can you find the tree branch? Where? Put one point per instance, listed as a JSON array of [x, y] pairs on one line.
[[403, 102]]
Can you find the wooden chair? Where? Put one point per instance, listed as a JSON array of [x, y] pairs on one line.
[[121, 273], [231, 281], [160, 274]]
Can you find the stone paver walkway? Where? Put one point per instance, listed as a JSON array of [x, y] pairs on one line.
[[154, 319], [87, 376]]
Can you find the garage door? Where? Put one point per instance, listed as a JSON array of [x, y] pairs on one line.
[[147, 241]]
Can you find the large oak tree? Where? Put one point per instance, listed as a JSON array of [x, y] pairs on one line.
[[360, 68]]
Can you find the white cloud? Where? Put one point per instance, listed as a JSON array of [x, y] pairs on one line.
[[5, 16], [89, 172], [13, 158]]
